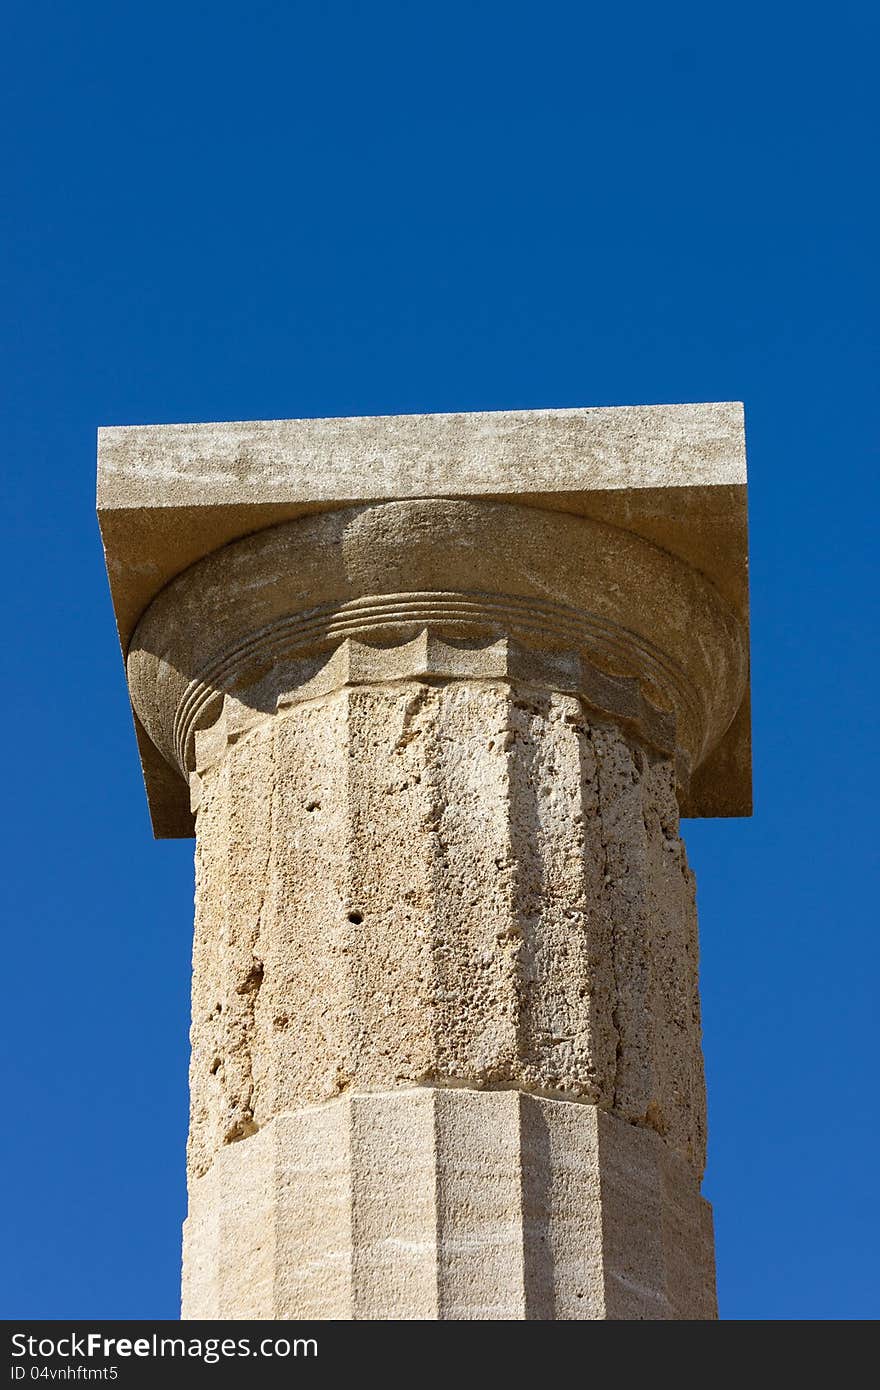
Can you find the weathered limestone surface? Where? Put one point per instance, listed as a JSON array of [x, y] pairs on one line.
[[466, 883], [446, 1054]]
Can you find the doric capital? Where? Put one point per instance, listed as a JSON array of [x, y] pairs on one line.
[[599, 553]]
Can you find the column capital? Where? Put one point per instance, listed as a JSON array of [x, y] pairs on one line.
[[600, 552]]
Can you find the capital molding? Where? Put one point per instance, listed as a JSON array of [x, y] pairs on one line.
[[440, 589], [673, 477]]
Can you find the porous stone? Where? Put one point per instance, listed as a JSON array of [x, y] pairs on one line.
[[433, 711], [462, 883]]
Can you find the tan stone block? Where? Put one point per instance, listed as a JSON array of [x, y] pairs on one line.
[[449, 1204], [468, 883]]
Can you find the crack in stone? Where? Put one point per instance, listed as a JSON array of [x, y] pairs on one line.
[[607, 899]]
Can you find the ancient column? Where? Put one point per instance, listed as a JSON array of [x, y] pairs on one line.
[[432, 692]]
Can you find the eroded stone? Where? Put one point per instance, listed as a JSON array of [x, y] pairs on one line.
[[456, 883]]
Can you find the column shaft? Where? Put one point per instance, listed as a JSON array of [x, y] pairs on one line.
[[461, 884]]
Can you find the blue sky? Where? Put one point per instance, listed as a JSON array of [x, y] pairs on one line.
[[236, 212]]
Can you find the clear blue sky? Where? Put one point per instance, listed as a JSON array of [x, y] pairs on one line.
[[231, 212]]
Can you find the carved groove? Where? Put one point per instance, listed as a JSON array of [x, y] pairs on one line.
[[620, 698], [573, 633]]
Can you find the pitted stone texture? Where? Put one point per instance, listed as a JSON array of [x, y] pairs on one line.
[[618, 699], [243, 620], [449, 1204], [459, 883]]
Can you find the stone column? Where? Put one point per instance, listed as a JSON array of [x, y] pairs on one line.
[[446, 1057]]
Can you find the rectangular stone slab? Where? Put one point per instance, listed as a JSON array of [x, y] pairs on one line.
[[451, 1204], [675, 474]]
